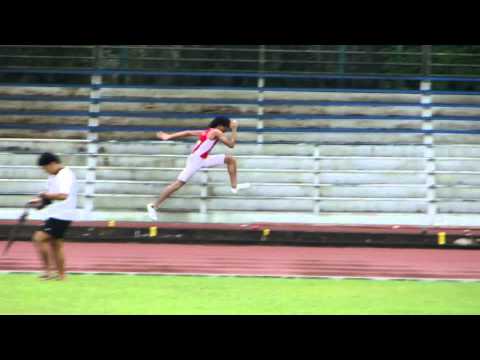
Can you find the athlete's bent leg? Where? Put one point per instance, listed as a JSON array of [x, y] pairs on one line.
[[193, 165], [169, 191], [231, 163]]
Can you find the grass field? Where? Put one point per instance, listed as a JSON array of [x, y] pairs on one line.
[[111, 295]]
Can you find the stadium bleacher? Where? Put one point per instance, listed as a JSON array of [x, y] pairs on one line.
[[312, 155]]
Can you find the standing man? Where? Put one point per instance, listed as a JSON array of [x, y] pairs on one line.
[[62, 187], [200, 157]]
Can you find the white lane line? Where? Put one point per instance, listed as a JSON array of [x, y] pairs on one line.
[[165, 274]]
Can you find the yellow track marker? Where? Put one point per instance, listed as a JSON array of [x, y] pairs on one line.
[[265, 234], [442, 238], [153, 231]]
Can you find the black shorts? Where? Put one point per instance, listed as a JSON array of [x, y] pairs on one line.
[[56, 227]]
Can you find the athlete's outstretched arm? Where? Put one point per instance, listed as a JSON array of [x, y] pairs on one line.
[[54, 196], [165, 137]]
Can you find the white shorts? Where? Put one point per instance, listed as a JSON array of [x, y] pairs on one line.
[[195, 163]]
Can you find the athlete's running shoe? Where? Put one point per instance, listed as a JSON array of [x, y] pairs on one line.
[[152, 212], [240, 187]]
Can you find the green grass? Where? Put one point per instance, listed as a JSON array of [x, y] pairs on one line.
[[86, 294]]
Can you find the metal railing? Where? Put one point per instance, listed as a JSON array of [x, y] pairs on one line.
[[423, 60]]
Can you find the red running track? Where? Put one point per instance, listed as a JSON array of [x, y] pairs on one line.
[[255, 261]]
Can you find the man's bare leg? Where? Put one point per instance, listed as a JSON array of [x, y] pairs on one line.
[[59, 257], [40, 240]]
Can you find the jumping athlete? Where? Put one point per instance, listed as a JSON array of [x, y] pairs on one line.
[[62, 187], [200, 157]]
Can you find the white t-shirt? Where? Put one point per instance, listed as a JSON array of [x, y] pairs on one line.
[[64, 182]]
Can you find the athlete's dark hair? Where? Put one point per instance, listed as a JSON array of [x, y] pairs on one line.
[[220, 120], [48, 158]]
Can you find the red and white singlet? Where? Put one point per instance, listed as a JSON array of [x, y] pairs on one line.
[[204, 145], [201, 158]]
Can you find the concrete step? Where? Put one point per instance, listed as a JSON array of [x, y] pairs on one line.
[[387, 177], [457, 151], [184, 93], [48, 119], [247, 204], [301, 138], [458, 207], [181, 148], [251, 175], [299, 163], [43, 105], [194, 122], [457, 125], [344, 109], [373, 192], [251, 95], [341, 138], [32, 172], [458, 165], [273, 204], [137, 203], [252, 217], [251, 106], [183, 108], [48, 134], [193, 203], [456, 99], [14, 159], [45, 90], [357, 122], [459, 193], [458, 179], [377, 206], [340, 96], [455, 111], [18, 201], [199, 115], [16, 186], [217, 175], [13, 186], [38, 146], [456, 139]]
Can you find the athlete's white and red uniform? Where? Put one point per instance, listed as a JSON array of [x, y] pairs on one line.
[[201, 158]]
